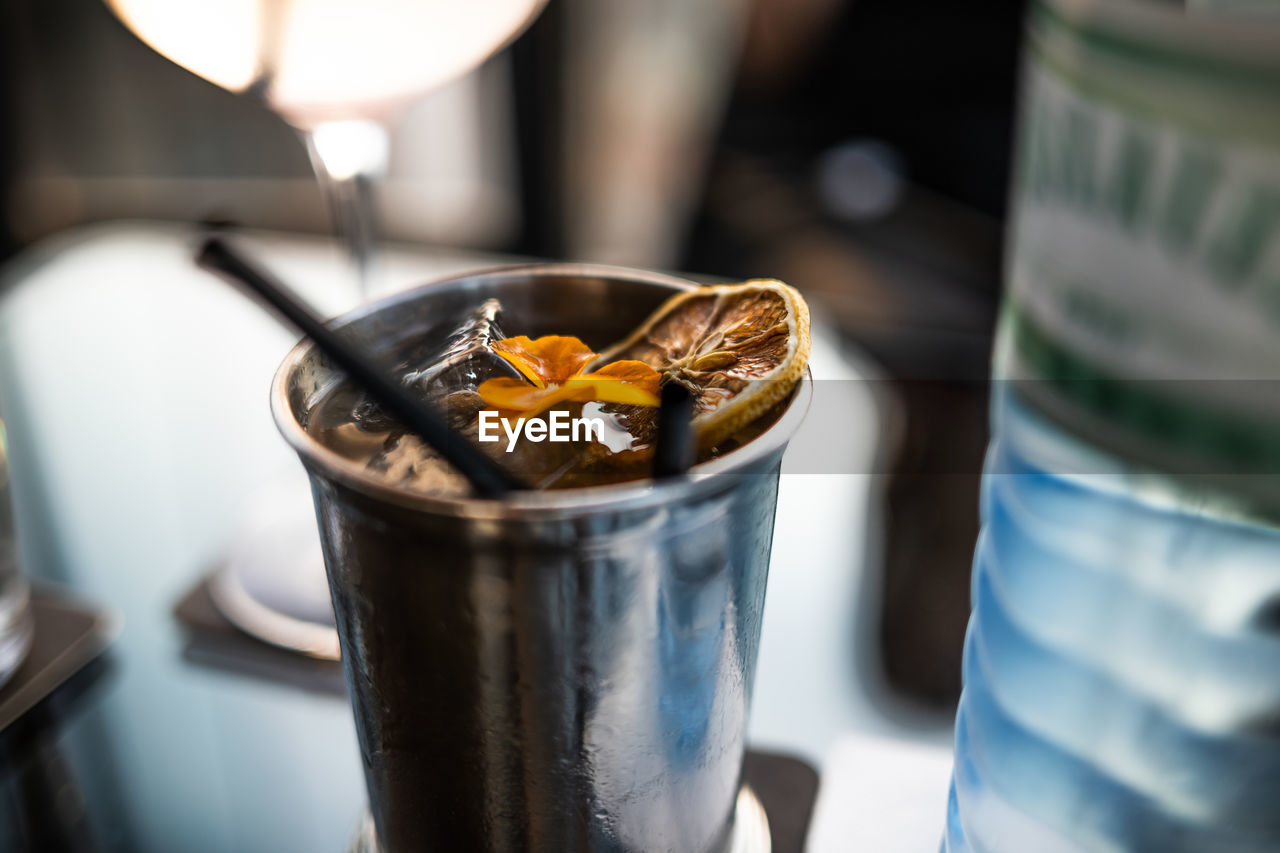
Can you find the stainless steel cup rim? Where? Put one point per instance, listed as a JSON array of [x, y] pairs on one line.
[[573, 502]]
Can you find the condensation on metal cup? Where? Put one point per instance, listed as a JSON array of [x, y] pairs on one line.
[[17, 628], [567, 670]]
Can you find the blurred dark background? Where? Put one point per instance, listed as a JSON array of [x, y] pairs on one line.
[[859, 150], [868, 164]]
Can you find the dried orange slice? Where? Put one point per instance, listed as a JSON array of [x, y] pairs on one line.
[[740, 348]]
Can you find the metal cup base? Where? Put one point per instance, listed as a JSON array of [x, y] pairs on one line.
[[750, 828]]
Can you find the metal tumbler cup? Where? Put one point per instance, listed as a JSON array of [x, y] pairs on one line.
[[563, 670]]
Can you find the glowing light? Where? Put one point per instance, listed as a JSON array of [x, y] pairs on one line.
[[328, 58], [350, 148]]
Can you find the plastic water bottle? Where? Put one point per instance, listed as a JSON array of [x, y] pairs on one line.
[[1122, 664]]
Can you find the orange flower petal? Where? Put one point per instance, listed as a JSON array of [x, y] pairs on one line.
[[550, 397], [632, 382], [627, 370], [613, 391], [550, 359], [509, 394], [552, 363]]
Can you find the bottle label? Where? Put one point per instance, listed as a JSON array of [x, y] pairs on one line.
[[1143, 273]]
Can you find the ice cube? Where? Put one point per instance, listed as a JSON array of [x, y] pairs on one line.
[[447, 374], [406, 461], [458, 364], [464, 360]]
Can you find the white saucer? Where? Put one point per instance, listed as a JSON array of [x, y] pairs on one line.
[[273, 583]]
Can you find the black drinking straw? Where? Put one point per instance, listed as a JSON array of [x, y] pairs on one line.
[[674, 452], [486, 476]]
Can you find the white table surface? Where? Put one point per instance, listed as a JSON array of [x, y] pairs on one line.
[[135, 390]]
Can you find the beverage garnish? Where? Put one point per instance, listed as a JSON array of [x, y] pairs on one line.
[[554, 371]]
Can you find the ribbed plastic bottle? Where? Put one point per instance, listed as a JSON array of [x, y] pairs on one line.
[[1122, 663]]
